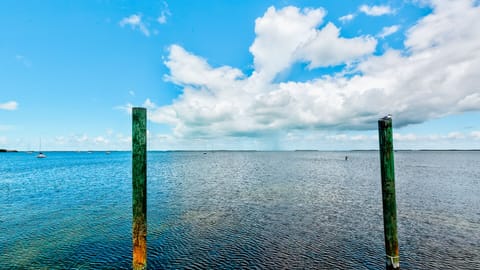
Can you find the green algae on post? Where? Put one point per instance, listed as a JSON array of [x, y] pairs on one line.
[[139, 187], [388, 192]]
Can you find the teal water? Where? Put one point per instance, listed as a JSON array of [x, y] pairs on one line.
[[231, 210]]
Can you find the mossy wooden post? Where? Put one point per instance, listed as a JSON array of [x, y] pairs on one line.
[[139, 187], [388, 192]]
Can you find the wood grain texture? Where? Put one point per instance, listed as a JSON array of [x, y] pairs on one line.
[[385, 137], [139, 187]]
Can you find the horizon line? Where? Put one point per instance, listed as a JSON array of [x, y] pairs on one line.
[[239, 150]]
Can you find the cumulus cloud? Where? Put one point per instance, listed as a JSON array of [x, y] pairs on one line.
[[436, 75], [135, 22], [388, 30], [376, 10], [149, 104], [347, 18], [9, 106], [296, 37]]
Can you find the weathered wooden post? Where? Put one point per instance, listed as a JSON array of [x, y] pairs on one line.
[[139, 186], [388, 192]]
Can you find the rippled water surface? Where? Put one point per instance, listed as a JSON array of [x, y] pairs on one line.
[[230, 210]]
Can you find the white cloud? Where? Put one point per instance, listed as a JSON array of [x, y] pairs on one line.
[[123, 139], [135, 22], [188, 69], [329, 49], [162, 19], [435, 76], [100, 140], [475, 134], [296, 37], [360, 138], [451, 140], [451, 136], [455, 135], [388, 30], [60, 140], [9, 106], [338, 137], [346, 137], [3, 140], [149, 104], [125, 108], [81, 139], [446, 26], [6, 127], [347, 18], [376, 10], [405, 137]]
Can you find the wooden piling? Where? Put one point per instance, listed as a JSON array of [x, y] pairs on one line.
[[139, 187], [388, 193]]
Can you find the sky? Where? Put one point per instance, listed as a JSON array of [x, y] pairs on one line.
[[239, 75]]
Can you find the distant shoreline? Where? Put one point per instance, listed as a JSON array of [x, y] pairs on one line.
[[216, 151]]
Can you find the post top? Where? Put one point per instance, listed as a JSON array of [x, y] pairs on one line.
[[138, 108], [386, 117]]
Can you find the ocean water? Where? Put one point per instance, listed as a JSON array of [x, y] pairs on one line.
[[232, 210]]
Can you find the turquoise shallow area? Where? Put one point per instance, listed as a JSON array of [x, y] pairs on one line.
[[230, 210]]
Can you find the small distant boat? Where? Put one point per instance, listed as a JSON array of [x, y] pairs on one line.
[[40, 154], [108, 152]]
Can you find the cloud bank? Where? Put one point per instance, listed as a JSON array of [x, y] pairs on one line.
[[435, 75]]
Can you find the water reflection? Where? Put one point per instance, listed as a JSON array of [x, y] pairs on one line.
[[227, 210]]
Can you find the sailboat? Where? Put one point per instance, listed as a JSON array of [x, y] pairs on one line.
[[40, 154]]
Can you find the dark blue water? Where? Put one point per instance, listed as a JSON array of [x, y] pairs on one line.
[[230, 210]]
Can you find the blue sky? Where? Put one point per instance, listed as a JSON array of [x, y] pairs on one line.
[[266, 75]]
